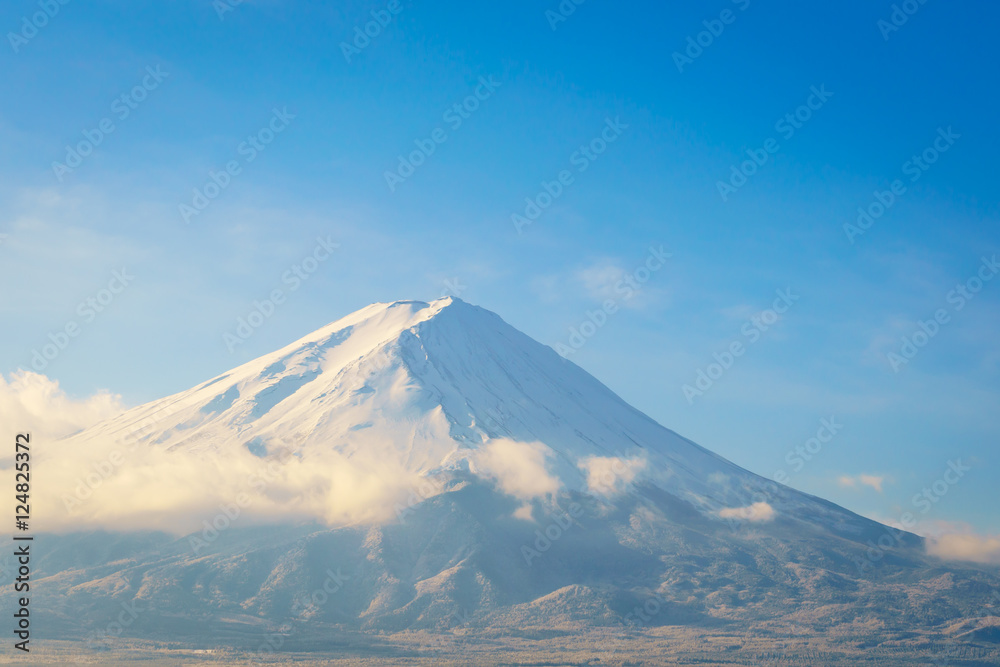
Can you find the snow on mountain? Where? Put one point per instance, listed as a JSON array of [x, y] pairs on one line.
[[346, 423]]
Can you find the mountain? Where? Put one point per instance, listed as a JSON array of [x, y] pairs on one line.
[[417, 390], [423, 479]]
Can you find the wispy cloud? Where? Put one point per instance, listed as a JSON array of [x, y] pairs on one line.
[[603, 279], [610, 475], [757, 512], [958, 541], [519, 468], [598, 280], [609, 279], [874, 481], [34, 402]]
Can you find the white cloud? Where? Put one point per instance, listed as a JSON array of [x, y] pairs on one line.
[[605, 279], [524, 512], [518, 467], [83, 479], [966, 546], [599, 280], [874, 481], [31, 402], [720, 478], [757, 512], [87, 476], [953, 540], [86, 479], [609, 475]]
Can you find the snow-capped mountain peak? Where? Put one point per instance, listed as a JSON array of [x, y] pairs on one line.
[[356, 414]]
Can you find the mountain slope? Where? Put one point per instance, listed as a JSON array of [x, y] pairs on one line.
[[396, 393], [425, 467]]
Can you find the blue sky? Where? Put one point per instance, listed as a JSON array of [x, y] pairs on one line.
[[328, 127]]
